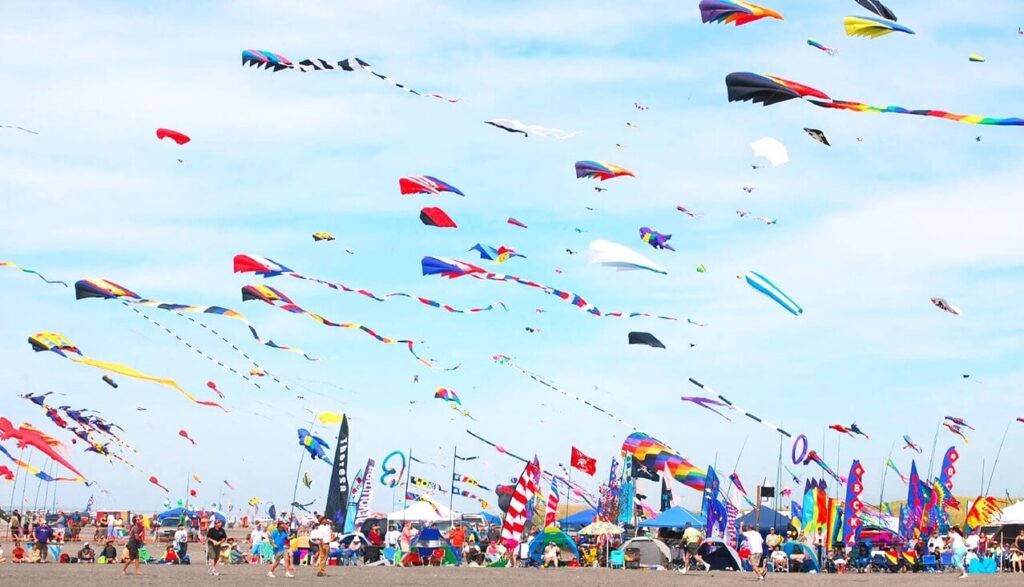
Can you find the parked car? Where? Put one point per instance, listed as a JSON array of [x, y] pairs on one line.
[[168, 526]]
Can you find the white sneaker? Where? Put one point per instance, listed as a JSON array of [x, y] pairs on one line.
[[963, 576], [684, 569], [214, 572], [707, 567], [289, 575], [270, 574]]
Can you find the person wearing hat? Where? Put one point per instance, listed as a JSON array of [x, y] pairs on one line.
[[86, 554]]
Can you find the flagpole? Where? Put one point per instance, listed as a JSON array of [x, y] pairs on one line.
[[568, 490], [778, 483], [408, 474], [188, 481], [935, 440], [24, 484], [992, 473], [885, 469], [451, 494], [14, 486]]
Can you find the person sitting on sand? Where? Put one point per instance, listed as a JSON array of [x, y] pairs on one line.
[[86, 554], [551, 554], [109, 554], [170, 556]]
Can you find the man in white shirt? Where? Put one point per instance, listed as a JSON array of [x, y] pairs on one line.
[[756, 545], [256, 539], [392, 537], [323, 534], [181, 542]]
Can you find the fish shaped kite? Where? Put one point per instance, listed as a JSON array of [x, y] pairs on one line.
[[31, 272], [425, 184], [655, 238], [184, 434], [274, 62], [768, 90], [765, 286], [515, 126], [314, 445], [708, 404], [621, 258], [735, 12], [821, 47], [908, 443], [156, 482], [871, 27], [944, 305], [213, 386], [60, 345], [601, 170]]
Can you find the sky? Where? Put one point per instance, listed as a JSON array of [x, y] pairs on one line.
[[868, 230]]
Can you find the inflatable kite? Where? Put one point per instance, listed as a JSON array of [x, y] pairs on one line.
[[28, 436], [274, 62], [818, 45], [109, 381], [600, 170], [177, 137], [424, 184], [975, 58], [156, 482], [733, 12], [622, 258], [871, 27], [184, 434], [772, 150], [655, 238], [841, 429], [58, 344], [31, 271], [655, 455], [763, 285], [515, 126], [314, 445], [768, 90], [854, 429]]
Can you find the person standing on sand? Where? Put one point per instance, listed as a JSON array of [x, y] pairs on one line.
[[110, 527], [324, 533], [279, 538], [215, 540], [959, 545], [756, 545], [43, 533], [136, 538]]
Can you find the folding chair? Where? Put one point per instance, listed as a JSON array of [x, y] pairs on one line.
[[616, 559]]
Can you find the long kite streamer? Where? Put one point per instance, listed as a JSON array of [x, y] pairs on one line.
[[59, 344], [276, 298], [577, 488], [31, 271], [108, 290], [452, 268], [655, 455], [736, 408], [768, 90], [38, 473], [268, 268], [273, 61]]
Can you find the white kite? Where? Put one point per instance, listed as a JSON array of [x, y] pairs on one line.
[[771, 149], [620, 257], [943, 304], [510, 125]]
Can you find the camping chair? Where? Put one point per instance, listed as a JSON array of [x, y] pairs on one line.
[[437, 557], [266, 552], [947, 559], [144, 556], [616, 559], [929, 563], [632, 558]]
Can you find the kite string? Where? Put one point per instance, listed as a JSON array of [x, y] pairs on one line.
[[240, 352]]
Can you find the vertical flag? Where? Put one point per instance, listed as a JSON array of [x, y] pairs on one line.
[[365, 495], [732, 512], [668, 497], [710, 506], [337, 492], [851, 514], [515, 517], [551, 513]]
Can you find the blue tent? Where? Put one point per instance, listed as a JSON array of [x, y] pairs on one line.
[[490, 518], [430, 540], [551, 534], [810, 559], [581, 518], [676, 517], [769, 519]]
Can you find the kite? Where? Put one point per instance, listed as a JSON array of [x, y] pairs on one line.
[[177, 137], [856, 430], [1020, 420], [942, 304], [733, 12], [655, 455], [818, 45], [768, 90], [307, 480], [655, 238], [908, 443], [57, 343], [956, 430], [631, 125], [683, 209], [515, 222], [108, 290], [35, 471], [6, 473], [109, 381], [707, 403], [21, 128], [813, 457], [276, 298], [975, 58], [515, 126], [436, 217], [302, 506], [622, 258], [841, 429], [600, 170], [749, 188], [213, 386], [329, 418], [447, 395], [892, 465], [869, 26], [268, 268], [532, 330], [765, 286], [817, 135], [392, 476], [877, 7], [424, 184], [640, 106], [645, 338], [959, 422], [322, 236], [452, 268], [156, 482], [314, 445], [736, 408], [273, 61], [765, 219], [31, 271], [28, 436], [498, 255], [771, 149], [184, 434], [793, 475], [701, 268]]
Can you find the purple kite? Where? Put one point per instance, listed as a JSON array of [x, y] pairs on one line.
[[707, 403]]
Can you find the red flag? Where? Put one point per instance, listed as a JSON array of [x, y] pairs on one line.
[[583, 463]]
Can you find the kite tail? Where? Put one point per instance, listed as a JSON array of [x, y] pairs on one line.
[[967, 118], [38, 473], [129, 372], [33, 272]]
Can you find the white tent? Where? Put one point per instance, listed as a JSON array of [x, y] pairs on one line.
[[1013, 514], [424, 512]]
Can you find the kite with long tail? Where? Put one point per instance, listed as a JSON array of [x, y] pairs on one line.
[[276, 298], [908, 443], [452, 268], [892, 465], [707, 403], [60, 345], [269, 268], [812, 457], [736, 408], [959, 422], [28, 436], [956, 429], [793, 475], [768, 90], [32, 272]]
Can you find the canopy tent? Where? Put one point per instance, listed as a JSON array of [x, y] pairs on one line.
[[490, 518], [810, 560], [769, 519], [600, 528], [720, 555], [651, 551], [675, 517], [1012, 515], [430, 541], [423, 512], [581, 518], [552, 534]]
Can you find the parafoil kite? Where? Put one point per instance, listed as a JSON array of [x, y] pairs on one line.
[[436, 217], [322, 236], [622, 258], [447, 395], [908, 443], [60, 345], [707, 403], [765, 286], [30, 271], [869, 26], [269, 268], [734, 12], [600, 170], [818, 45], [498, 255], [515, 222], [655, 456], [424, 184], [177, 137], [878, 8], [817, 135], [276, 298], [942, 304], [645, 338], [655, 238], [273, 61], [768, 90], [515, 126], [314, 445], [771, 149], [975, 58]]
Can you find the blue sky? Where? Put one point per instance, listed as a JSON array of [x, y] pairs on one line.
[[867, 231]]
